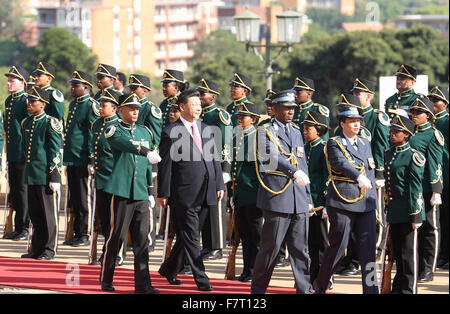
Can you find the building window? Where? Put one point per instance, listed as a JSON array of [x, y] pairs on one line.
[[47, 17]]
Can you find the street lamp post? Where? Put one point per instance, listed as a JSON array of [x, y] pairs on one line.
[[248, 31]]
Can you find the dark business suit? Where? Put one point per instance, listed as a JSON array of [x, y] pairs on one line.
[[286, 214], [190, 180], [349, 210]]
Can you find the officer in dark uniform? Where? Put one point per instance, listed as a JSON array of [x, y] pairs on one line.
[[42, 142], [430, 142], [314, 127], [351, 199], [15, 112], [213, 221], [45, 73], [240, 89], [406, 78], [439, 97], [83, 111], [304, 89], [129, 183], [173, 84], [245, 187], [405, 205], [106, 76], [284, 196], [102, 163]]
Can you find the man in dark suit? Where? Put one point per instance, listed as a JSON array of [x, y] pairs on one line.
[[351, 199], [190, 175], [284, 196]]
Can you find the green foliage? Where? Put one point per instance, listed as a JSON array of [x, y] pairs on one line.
[[11, 24], [13, 52], [3, 87], [433, 9]]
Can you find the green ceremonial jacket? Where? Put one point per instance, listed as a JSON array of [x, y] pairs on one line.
[[214, 116], [441, 123], [151, 117], [430, 142], [42, 137], [131, 174], [15, 112], [56, 106], [165, 110], [103, 156], [317, 170], [1, 139], [403, 174], [400, 101], [83, 111], [302, 109], [233, 108]]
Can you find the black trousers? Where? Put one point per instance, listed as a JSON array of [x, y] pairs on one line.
[[187, 245], [134, 216], [212, 227], [276, 228], [404, 242], [250, 221], [317, 243], [18, 196], [81, 199], [444, 220], [42, 203], [342, 223], [429, 237]]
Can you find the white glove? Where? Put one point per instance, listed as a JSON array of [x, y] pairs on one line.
[[416, 225], [226, 177], [301, 178], [54, 186], [153, 157], [151, 199], [364, 182], [324, 213], [379, 183], [91, 169], [435, 199]]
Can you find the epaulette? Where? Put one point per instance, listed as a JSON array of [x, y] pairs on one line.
[[439, 137], [57, 95], [156, 112], [323, 110], [95, 108], [224, 116], [418, 158], [110, 131], [382, 117], [55, 124], [295, 126], [365, 134]]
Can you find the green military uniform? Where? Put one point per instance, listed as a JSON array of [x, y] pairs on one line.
[[302, 109], [99, 93], [164, 107], [105, 70], [42, 136], [176, 77], [430, 142], [233, 107], [318, 174], [15, 112], [1, 139], [239, 80], [404, 205]]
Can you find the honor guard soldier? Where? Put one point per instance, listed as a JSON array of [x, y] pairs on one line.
[[269, 108], [45, 74], [106, 76], [102, 163], [245, 187], [15, 112], [351, 200], [42, 142], [314, 127], [405, 79], [430, 142], [439, 97], [405, 205], [284, 196], [83, 111], [173, 84], [214, 233], [240, 89], [149, 114], [31, 82], [129, 183], [120, 82], [304, 90]]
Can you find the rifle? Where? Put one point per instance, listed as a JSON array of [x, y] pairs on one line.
[[94, 227], [386, 270], [230, 270], [166, 234], [70, 219], [30, 237]]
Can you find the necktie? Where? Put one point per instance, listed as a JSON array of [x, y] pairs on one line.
[[196, 138]]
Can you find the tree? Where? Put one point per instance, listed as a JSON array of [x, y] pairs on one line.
[[11, 24]]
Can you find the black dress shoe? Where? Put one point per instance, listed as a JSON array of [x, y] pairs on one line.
[[441, 263], [71, 241], [80, 242], [108, 287], [245, 277], [319, 291], [205, 288], [11, 235], [21, 236], [350, 271], [147, 290], [425, 277], [214, 254], [282, 262], [173, 280], [29, 255], [187, 270], [45, 257], [97, 262]]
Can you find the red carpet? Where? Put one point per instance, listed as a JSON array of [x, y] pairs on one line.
[[83, 279]]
